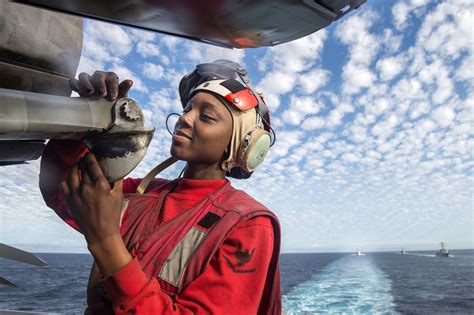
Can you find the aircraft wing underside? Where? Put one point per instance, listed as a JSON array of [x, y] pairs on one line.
[[231, 23]]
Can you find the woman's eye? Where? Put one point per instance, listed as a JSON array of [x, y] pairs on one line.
[[205, 117]]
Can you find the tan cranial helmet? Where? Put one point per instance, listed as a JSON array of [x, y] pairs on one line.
[[250, 140]]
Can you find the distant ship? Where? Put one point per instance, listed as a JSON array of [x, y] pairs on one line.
[[403, 252], [443, 252], [359, 253]]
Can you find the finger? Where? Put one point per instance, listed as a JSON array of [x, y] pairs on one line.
[[73, 180], [93, 169], [118, 187], [98, 81], [85, 86], [84, 172], [124, 87], [64, 189], [74, 84], [112, 83]]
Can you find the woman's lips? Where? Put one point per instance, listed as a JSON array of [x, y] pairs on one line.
[[179, 135]]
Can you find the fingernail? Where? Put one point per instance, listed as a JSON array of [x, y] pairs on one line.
[[102, 92]]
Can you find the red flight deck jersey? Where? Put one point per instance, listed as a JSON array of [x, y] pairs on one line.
[[240, 276]]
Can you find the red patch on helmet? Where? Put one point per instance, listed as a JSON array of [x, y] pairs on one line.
[[243, 100]]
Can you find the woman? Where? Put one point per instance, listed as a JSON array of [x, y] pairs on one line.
[[191, 245]]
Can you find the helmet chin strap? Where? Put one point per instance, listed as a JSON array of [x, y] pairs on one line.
[[152, 174]]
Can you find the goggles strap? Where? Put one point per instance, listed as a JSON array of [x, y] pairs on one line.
[[262, 108]]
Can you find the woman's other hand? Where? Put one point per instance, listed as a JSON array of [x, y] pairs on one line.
[[101, 84], [95, 206]]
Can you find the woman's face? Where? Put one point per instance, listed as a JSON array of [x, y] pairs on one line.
[[203, 132]]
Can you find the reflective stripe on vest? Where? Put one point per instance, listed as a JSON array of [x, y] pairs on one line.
[[173, 268]]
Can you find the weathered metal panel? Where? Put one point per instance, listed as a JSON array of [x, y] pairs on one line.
[[39, 49]]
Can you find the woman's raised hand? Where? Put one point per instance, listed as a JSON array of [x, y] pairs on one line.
[[96, 208], [102, 84], [94, 205]]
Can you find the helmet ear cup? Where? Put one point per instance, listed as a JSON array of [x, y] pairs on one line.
[[254, 148]]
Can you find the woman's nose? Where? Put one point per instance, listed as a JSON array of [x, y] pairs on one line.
[[186, 119]]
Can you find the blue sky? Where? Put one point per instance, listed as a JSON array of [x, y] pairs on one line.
[[373, 115]]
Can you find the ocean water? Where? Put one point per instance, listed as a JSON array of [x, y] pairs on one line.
[[316, 283], [379, 283]]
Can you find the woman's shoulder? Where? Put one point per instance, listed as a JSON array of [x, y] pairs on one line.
[[233, 197], [257, 222]]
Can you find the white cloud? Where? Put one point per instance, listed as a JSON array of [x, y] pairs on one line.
[[313, 122], [378, 106], [125, 73], [96, 50], [389, 67], [104, 44], [299, 108], [391, 41], [170, 41], [445, 30], [291, 63], [113, 37], [166, 100], [286, 140], [88, 65], [200, 53], [272, 100], [402, 10], [385, 128], [350, 157], [335, 116], [444, 116], [147, 49], [153, 71], [295, 56], [356, 78], [400, 13], [313, 80], [277, 83], [363, 47], [464, 72], [355, 32], [140, 35], [408, 88]]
